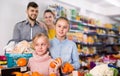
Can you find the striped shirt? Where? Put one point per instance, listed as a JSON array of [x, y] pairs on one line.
[[24, 31]]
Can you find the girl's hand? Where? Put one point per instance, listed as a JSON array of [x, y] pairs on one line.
[[56, 64]]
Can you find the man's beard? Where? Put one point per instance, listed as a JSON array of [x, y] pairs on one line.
[[32, 19]]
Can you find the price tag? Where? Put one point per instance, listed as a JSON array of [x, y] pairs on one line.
[[23, 69]]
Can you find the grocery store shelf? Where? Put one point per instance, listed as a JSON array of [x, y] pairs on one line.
[[98, 44]]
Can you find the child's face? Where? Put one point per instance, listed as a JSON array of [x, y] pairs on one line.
[[62, 28], [41, 45]]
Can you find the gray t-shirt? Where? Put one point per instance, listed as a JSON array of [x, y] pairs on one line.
[[24, 31]]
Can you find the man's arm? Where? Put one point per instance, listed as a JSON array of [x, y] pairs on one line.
[[16, 33]]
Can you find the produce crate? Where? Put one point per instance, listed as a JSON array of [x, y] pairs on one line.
[[12, 58]]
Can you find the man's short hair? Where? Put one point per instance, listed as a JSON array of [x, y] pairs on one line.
[[32, 4]]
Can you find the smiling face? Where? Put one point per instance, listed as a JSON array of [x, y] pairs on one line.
[[49, 18], [41, 45], [32, 13], [62, 27]]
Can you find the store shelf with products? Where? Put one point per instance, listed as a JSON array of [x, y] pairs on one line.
[[90, 45], [94, 29], [94, 26], [103, 39]]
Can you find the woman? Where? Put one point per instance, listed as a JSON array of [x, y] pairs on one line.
[[49, 18]]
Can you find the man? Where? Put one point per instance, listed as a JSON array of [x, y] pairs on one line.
[[27, 29]]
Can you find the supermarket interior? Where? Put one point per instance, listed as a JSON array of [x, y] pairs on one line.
[[94, 28]]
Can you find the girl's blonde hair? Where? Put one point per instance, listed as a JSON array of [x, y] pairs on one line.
[[37, 36], [62, 18]]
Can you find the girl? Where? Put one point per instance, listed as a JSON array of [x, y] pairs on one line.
[[40, 62], [61, 46]]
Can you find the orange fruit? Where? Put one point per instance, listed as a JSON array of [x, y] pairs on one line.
[[1, 66], [17, 73], [71, 69], [65, 69], [26, 74], [52, 65], [67, 64], [21, 61], [52, 74], [36, 74]]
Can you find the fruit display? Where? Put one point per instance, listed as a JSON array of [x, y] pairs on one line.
[[27, 74], [52, 74], [17, 73], [36, 74]]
